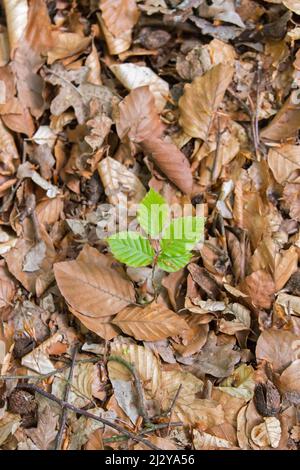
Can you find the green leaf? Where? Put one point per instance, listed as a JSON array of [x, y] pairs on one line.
[[153, 213], [181, 235], [131, 248], [173, 263]]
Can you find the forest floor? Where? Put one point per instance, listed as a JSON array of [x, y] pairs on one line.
[[102, 348]]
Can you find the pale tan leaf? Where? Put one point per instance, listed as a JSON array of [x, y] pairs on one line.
[[66, 45], [16, 12], [93, 63], [240, 383], [290, 378], [285, 123], [278, 347], [171, 161], [151, 323], [84, 378], [267, 433], [91, 289], [119, 15], [204, 441], [284, 162], [8, 151], [293, 5], [241, 321], [144, 361], [4, 52], [38, 359], [48, 211], [134, 76], [115, 44], [120, 184], [188, 408], [138, 118], [291, 303], [201, 100], [9, 423]]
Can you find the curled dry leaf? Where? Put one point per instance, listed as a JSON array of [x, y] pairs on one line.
[[171, 161], [138, 119], [8, 151], [284, 162], [285, 124], [204, 441], [133, 76], [120, 184], [240, 383], [44, 434], [267, 434], [16, 12], [291, 303], [201, 100], [119, 15], [151, 323], [278, 347], [260, 287]]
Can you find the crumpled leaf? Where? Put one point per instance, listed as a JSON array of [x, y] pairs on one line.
[[138, 118], [201, 99], [260, 287], [285, 123], [223, 10], [216, 360], [241, 321], [267, 433], [204, 441], [278, 347], [290, 377], [133, 76], [44, 434], [121, 185], [151, 323], [9, 424], [187, 407], [240, 383], [83, 427], [284, 162], [8, 151], [119, 15]]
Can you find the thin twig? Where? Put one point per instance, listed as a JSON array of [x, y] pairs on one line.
[[64, 414], [63, 404], [170, 411], [154, 428], [137, 383], [39, 377]]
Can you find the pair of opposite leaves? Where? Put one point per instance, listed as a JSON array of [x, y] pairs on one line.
[[175, 244]]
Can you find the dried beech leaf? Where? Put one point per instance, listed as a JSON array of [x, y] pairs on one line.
[[120, 183], [119, 15], [205, 441], [151, 323], [16, 12], [188, 408], [284, 162], [278, 347], [260, 287], [133, 76], [285, 123], [138, 118], [144, 361], [44, 435], [267, 433], [290, 378], [201, 100], [93, 290], [171, 161]]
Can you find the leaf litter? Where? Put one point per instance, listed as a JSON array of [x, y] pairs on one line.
[[100, 102]]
